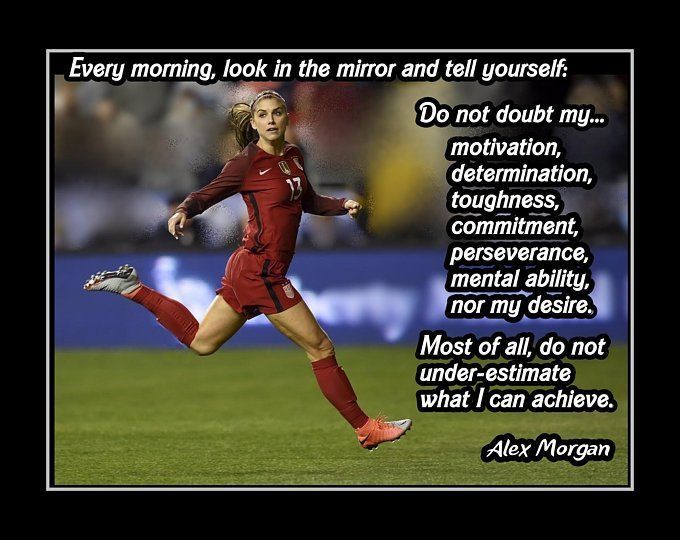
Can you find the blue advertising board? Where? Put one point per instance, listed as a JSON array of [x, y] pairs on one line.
[[358, 297]]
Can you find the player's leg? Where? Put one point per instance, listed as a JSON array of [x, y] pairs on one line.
[[220, 323], [299, 324]]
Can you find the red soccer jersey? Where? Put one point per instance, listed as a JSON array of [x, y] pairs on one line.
[[276, 192]]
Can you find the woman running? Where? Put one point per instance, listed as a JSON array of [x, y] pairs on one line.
[[269, 174]]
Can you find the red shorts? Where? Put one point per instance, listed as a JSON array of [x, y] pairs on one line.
[[253, 283]]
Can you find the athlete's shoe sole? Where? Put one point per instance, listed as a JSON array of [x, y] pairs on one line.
[[122, 281]]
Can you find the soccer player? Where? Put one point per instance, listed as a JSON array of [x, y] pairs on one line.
[[269, 173]]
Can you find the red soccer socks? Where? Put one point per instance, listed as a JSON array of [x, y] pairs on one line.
[[336, 387], [171, 314]]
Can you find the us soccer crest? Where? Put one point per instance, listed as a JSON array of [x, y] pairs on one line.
[[288, 289], [297, 163], [284, 167]]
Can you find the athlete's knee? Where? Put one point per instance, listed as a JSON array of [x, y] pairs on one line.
[[322, 347], [205, 342], [202, 347]]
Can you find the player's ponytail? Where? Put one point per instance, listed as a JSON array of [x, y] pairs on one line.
[[239, 118]]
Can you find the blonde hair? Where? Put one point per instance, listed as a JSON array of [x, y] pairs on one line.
[[240, 114]]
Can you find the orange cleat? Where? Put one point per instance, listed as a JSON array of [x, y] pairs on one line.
[[376, 431]]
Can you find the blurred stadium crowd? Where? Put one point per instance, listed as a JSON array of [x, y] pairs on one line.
[[125, 156]]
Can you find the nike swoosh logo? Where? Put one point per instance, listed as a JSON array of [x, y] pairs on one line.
[[262, 172]]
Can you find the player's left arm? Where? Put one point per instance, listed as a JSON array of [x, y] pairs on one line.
[[323, 205]]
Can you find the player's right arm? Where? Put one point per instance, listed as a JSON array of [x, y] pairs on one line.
[[227, 183]]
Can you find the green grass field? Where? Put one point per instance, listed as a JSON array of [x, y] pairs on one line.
[[257, 417]]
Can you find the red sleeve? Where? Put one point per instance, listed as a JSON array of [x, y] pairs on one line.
[[227, 183], [322, 205]]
